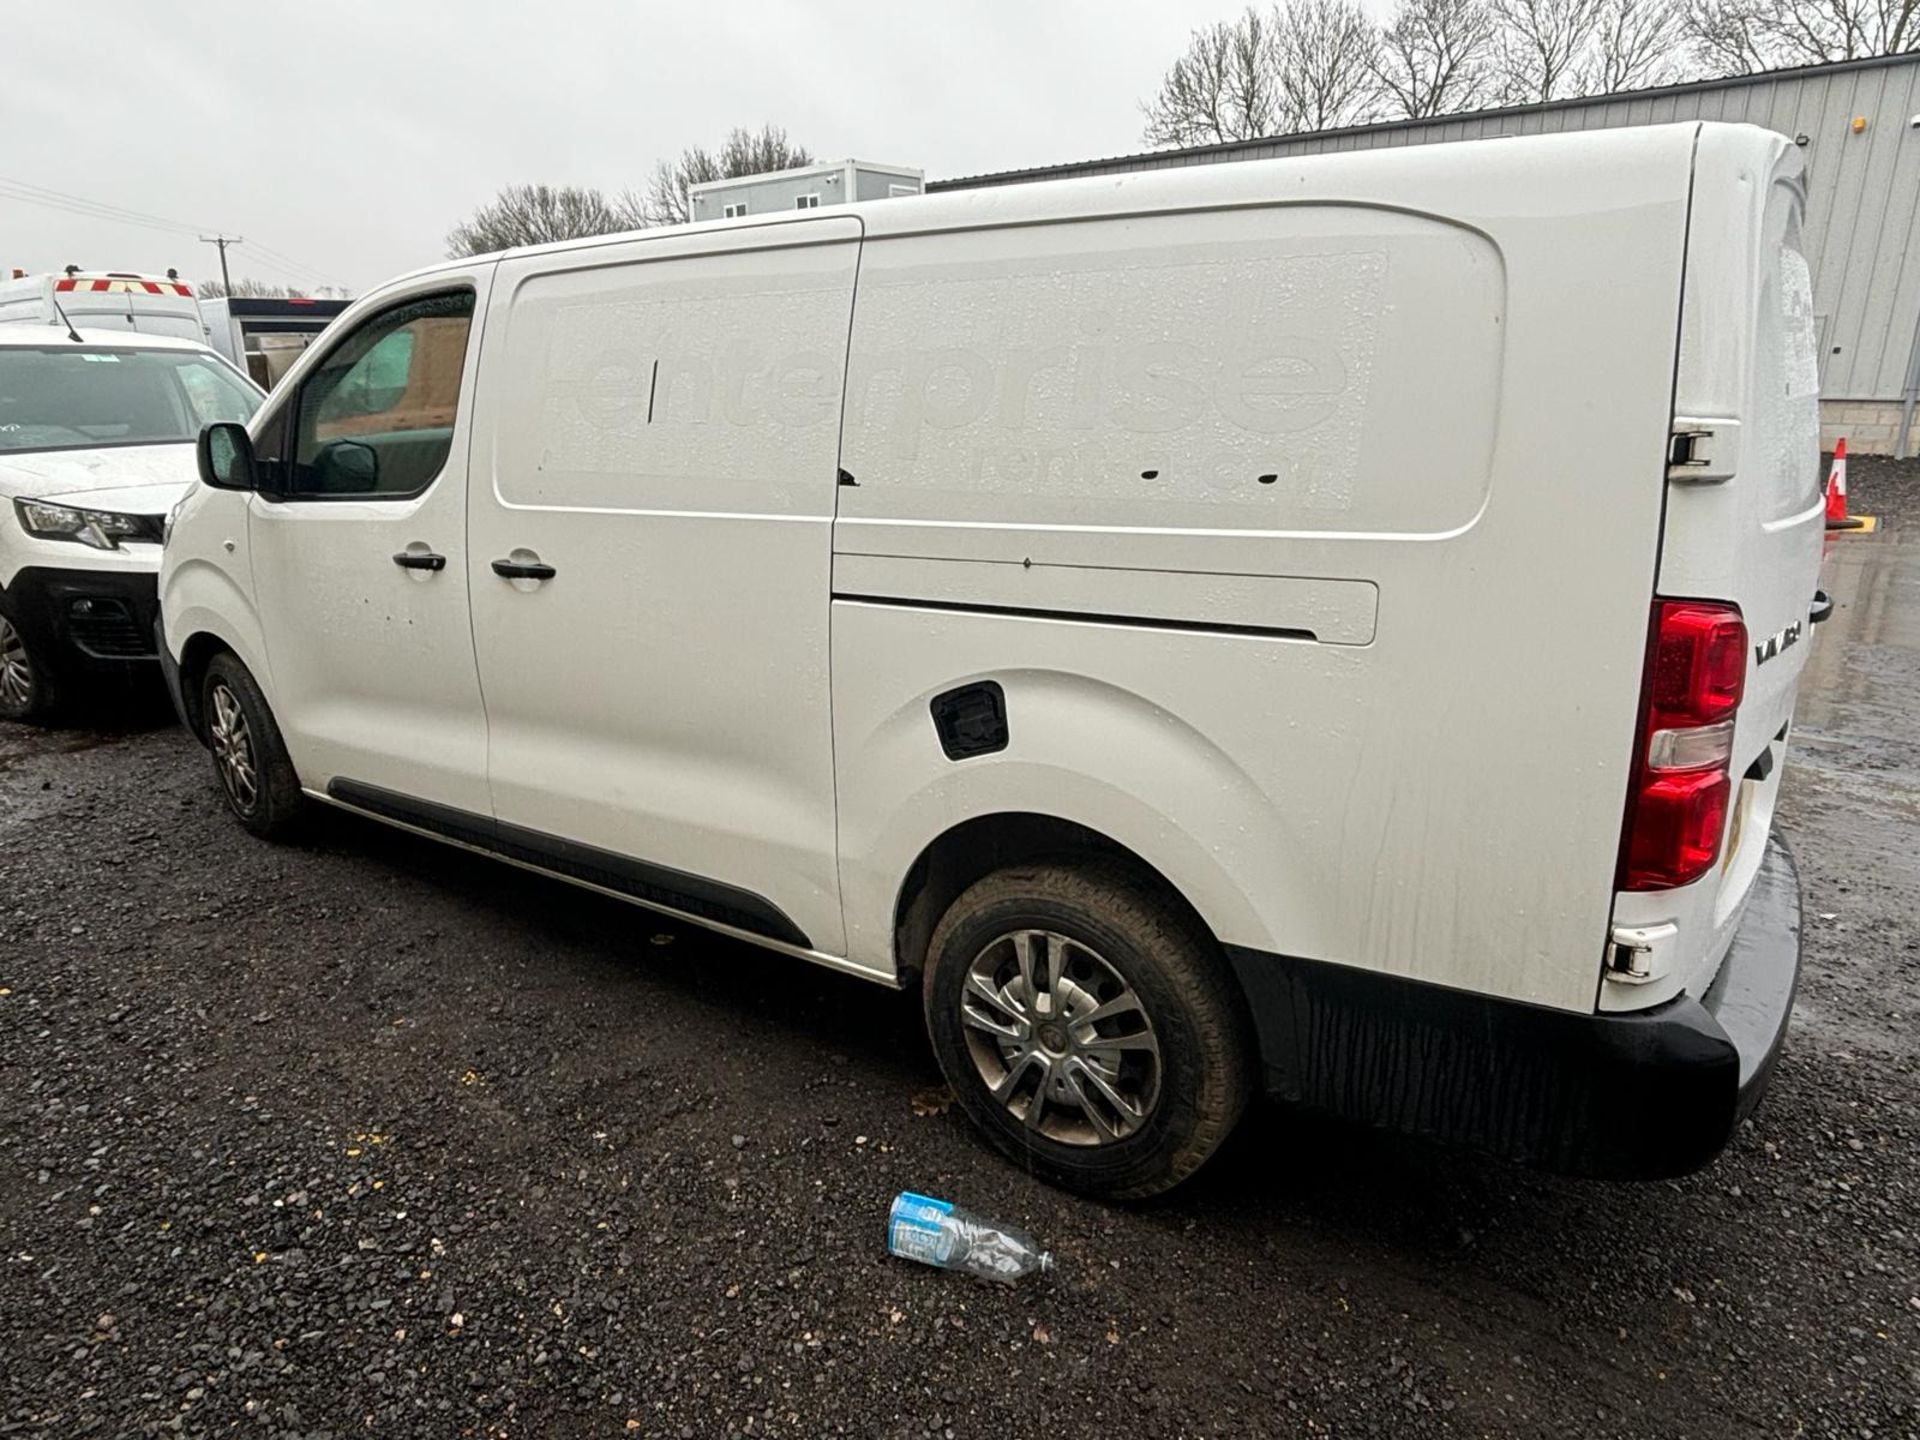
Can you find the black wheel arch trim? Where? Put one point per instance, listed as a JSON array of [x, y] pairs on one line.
[[641, 880], [187, 711]]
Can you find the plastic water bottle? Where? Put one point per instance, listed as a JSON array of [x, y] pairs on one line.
[[934, 1232]]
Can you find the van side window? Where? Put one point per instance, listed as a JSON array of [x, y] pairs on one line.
[[376, 418]]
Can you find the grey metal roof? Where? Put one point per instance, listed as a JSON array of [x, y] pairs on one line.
[[1262, 145]]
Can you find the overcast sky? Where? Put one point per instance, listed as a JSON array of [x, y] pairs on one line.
[[347, 137]]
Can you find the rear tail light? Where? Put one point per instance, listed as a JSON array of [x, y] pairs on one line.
[[1677, 811]]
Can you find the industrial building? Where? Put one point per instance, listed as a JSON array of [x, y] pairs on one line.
[[1858, 122]]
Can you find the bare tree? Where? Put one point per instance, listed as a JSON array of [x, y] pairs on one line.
[[1301, 65], [1725, 36], [538, 215], [745, 152], [1846, 29], [1741, 36], [1540, 46], [1325, 57], [1223, 88], [1434, 57], [1635, 43], [1306, 65], [246, 288]]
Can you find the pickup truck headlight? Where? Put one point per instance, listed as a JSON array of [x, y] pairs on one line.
[[102, 529]]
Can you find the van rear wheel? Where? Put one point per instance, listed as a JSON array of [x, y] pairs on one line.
[[1089, 1026], [250, 761]]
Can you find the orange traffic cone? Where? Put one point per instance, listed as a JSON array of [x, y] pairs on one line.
[[1837, 491]]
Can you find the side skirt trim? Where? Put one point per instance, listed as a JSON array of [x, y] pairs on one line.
[[658, 886]]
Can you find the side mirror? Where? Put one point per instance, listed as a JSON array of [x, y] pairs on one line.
[[225, 453]]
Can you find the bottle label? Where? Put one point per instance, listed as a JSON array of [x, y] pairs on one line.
[[916, 1229]]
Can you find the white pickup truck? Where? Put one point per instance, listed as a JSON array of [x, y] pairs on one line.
[[1326, 624]]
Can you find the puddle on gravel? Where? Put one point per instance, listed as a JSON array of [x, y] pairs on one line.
[[1852, 797], [1864, 671]]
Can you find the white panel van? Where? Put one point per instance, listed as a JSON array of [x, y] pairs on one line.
[[122, 300], [1327, 626]]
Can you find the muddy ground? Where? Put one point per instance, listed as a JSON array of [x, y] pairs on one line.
[[368, 1137]]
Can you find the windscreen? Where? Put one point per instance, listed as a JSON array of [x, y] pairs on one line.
[[75, 397]]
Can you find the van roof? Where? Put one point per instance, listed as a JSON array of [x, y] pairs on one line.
[[1465, 167], [40, 336]]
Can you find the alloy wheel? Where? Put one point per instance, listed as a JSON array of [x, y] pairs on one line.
[[232, 745], [1060, 1038], [16, 670]]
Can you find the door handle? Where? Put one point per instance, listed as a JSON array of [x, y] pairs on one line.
[[420, 560], [523, 570]]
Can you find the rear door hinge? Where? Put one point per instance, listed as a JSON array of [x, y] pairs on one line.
[[1640, 954], [1702, 450]]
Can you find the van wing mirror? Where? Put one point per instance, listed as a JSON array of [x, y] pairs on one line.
[[225, 453]]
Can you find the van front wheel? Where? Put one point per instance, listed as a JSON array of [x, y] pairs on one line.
[[1089, 1026], [26, 692], [250, 761]]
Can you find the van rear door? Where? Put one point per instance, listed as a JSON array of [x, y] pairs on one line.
[[1744, 518], [139, 303]]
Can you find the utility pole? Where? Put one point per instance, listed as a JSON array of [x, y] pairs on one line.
[[223, 241]]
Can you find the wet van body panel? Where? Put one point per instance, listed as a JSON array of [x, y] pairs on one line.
[[1345, 381]]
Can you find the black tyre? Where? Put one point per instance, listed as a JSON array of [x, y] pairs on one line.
[[26, 689], [1089, 1026], [250, 762]]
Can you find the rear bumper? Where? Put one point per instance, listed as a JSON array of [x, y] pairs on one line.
[[1751, 998], [86, 623], [1635, 1095]]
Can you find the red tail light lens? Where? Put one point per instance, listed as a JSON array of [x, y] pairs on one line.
[[1699, 663], [1696, 671], [1677, 823]]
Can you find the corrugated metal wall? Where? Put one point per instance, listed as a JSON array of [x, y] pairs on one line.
[[1863, 190]]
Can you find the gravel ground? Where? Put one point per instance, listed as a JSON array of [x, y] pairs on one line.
[[373, 1137], [1887, 489]]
